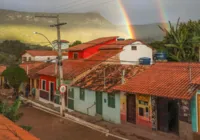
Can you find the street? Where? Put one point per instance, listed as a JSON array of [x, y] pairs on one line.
[[48, 127]]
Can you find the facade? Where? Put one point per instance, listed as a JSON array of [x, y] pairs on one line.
[[93, 93], [87, 49], [41, 55], [2, 80], [160, 98]]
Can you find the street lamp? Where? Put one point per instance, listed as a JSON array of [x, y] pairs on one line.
[[45, 37]]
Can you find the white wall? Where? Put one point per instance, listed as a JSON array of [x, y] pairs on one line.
[[40, 58], [27, 55], [133, 55]]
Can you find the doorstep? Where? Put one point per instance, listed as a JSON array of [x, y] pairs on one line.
[[127, 130]]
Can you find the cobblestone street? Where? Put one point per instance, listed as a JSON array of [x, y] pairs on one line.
[[48, 127]]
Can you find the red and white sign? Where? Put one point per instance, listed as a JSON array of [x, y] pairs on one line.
[[62, 89]]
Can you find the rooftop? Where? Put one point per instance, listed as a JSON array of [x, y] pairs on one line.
[[31, 65], [73, 68], [113, 76], [44, 53], [170, 80], [92, 43], [10, 131]]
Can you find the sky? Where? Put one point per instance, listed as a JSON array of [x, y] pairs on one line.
[[138, 11]]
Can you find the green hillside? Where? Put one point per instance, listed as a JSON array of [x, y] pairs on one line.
[[81, 26]]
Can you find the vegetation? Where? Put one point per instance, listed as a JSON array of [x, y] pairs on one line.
[[12, 112], [75, 43], [15, 76], [181, 42], [11, 50]]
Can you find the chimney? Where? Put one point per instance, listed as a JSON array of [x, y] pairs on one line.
[[123, 76], [190, 73], [56, 67]]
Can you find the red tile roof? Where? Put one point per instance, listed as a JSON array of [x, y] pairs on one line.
[[91, 43], [44, 53], [113, 73], [10, 131], [73, 68], [170, 80], [30, 65], [2, 68]]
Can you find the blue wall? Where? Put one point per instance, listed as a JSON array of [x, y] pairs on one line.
[[111, 114], [194, 114], [81, 106]]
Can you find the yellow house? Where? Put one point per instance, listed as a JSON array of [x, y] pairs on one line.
[[2, 80]]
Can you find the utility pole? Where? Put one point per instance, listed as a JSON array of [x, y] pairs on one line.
[[60, 69]]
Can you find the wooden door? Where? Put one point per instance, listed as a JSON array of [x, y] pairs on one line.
[[131, 108], [198, 106], [162, 114], [51, 91], [99, 108]]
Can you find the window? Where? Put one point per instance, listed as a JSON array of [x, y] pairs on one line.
[[111, 100], [48, 58], [71, 93], [82, 94], [24, 58], [75, 55], [141, 111], [133, 47], [43, 85], [29, 59]]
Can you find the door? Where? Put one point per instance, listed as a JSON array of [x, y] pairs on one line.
[[99, 108], [131, 109], [70, 102], [66, 97], [162, 111], [52, 91], [198, 104]]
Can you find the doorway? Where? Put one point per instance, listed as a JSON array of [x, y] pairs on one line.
[[198, 105], [131, 108], [167, 115], [65, 95], [51, 91], [99, 108]]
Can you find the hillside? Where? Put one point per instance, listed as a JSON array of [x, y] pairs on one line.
[[81, 26]]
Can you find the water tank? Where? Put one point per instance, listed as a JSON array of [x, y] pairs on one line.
[[160, 56], [145, 61]]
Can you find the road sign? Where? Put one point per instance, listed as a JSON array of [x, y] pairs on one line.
[[62, 89]]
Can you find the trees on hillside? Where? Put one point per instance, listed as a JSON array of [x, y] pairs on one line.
[[75, 43], [181, 42]]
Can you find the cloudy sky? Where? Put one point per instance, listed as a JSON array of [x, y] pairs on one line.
[[139, 11]]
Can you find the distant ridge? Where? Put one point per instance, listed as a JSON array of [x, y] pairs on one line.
[[80, 26]]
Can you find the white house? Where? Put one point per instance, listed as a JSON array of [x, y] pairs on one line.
[[130, 51], [133, 52], [41, 55]]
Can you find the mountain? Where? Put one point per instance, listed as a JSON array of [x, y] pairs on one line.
[[80, 26]]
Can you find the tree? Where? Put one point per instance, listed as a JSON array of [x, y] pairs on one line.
[[77, 42], [181, 42], [12, 112], [15, 76]]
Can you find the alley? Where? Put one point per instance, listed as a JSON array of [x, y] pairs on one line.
[[49, 127]]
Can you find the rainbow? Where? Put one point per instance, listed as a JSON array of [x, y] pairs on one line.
[[129, 27], [162, 15]]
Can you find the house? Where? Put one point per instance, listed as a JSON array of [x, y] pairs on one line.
[[10, 131], [87, 49], [72, 70], [131, 51], [94, 95], [2, 68], [42, 55], [31, 69], [160, 97], [64, 44]]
